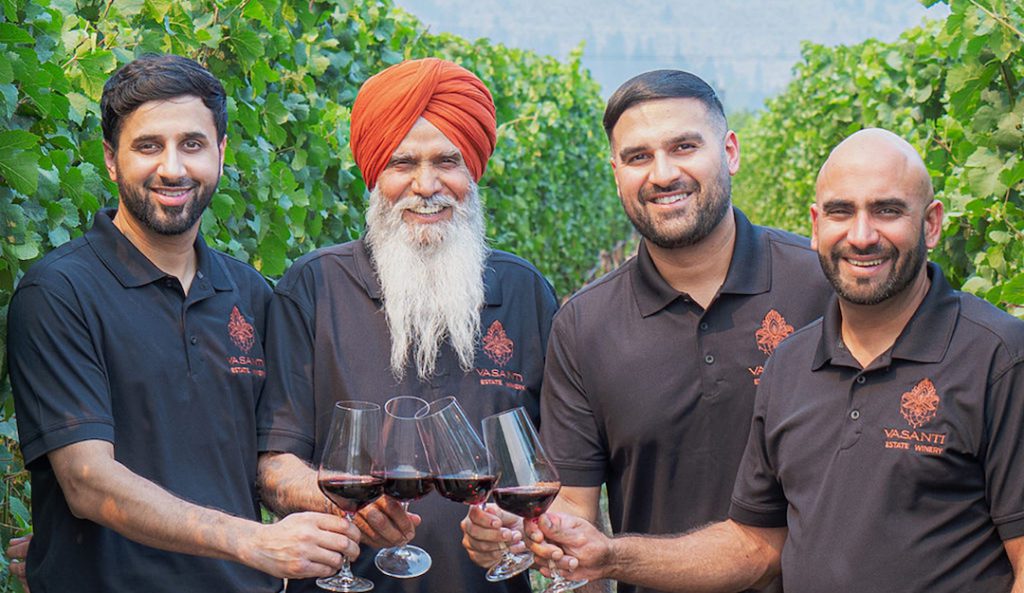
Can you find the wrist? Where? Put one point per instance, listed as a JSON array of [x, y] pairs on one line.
[[614, 550]]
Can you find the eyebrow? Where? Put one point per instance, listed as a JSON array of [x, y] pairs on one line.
[[882, 203], [404, 157], [158, 138], [629, 151]]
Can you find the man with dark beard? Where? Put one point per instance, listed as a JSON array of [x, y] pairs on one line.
[[135, 417], [650, 378], [419, 306], [884, 454]]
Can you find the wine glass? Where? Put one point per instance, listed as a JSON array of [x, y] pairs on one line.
[[407, 477], [527, 481], [346, 475], [462, 470]]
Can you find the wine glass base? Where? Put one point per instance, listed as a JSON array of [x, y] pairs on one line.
[[403, 562], [563, 585], [345, 584], [509, 566]]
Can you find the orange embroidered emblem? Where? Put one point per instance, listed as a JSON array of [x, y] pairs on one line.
[[773, 330], [497, 344], [920, 404], [241, 331]]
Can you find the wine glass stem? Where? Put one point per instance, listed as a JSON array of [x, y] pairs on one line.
[[405, 509], [346, 568]]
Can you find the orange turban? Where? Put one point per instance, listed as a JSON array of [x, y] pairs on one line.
[[445, 94]]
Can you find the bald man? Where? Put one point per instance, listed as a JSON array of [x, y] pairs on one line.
[[418, 306], [883, 450]]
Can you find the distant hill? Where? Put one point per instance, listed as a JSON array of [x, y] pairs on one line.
[[745, 49]]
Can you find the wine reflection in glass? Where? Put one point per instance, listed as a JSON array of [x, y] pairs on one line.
[[346, 475], [462, 471], [527, 481], [407, 477]]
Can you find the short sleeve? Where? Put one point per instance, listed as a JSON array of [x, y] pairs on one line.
[[758, 498], [60, 387], [569, 429], [1004, 472], [286, 409]]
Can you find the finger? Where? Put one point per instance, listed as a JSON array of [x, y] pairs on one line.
[[398, 516], [382, 525], [483, 518]]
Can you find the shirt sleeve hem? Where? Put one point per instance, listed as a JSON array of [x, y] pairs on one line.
[[285, 442], [64, 435], [1012, 528], [757, 516], [573, 476]]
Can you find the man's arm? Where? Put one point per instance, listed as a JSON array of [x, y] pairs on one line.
[[1015, 550], [100, 489], [585, 503], [723, 557], [288, 485]]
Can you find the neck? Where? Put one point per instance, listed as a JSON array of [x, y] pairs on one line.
[[870, 330], [700, 269], [173, 254]]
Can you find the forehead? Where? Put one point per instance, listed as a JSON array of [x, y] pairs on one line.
[[169, 118], [424, 139], [652, 122], [866, 177]]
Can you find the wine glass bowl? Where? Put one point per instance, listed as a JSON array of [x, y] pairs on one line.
[[347, 474], [405, 476]]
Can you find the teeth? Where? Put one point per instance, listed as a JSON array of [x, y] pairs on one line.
[[865, 264], [174, 194], [670, 199], [427, 209]]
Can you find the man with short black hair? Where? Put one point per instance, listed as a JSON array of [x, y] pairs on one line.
[[136, 361], [884, 453], [651, 373], [418, 306]]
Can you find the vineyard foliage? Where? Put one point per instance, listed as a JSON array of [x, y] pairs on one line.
[[291, 69], [955, 90]]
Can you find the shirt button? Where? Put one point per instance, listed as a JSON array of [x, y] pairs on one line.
[[861, 379], [709, 359], [855, 414], [704, 325], [194, 340]]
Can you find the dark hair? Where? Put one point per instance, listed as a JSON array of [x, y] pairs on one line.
[[154, 77], [660, 84]]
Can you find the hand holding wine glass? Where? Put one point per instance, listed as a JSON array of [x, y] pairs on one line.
[[407, 477], [527, 481], [346, 475]]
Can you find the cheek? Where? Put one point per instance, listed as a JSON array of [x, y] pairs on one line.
[[458, 184]]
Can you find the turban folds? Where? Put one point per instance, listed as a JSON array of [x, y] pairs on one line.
[[445, 94]]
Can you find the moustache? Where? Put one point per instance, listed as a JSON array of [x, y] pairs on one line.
[[678, 187]]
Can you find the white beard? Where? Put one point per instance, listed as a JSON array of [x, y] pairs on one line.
[[431, 277]]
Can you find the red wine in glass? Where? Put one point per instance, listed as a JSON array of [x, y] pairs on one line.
[[529, 502], [407, 486], [468, 489], [351, 493]]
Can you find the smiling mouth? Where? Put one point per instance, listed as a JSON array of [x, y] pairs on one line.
[[672, 199], [427, 209], [865, 264]]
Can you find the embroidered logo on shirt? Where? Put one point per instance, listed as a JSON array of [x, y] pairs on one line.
[[918, 407], [920, 404], [773, 330], [241, 331], [497, 344]]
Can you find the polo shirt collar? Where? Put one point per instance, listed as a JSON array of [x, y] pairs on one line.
[[133, 269], [749, 270], [368, 276], [925, 338]]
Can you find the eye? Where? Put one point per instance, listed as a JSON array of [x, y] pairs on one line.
[[685, 147], [193, 145], [637, 159], [147, 147]]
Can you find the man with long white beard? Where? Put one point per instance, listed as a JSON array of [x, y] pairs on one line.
[[419, 306]]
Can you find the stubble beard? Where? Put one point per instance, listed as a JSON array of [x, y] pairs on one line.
[[176, 219], [903, 273], [708, 210], [431, 278]]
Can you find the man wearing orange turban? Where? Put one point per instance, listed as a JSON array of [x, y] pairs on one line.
[[418, 306]]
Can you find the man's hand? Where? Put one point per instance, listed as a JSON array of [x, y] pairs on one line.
[[486, 534], [573, 544], [384, 523], [302, 545], [17, 552]]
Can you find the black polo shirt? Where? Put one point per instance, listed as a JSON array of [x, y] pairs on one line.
[[646, 391], [905, 476], [103, 345], [328, 340]]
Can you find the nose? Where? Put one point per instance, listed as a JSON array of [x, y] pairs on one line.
[[663, 172], [862, 233], [171, 165], [425, 181]]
